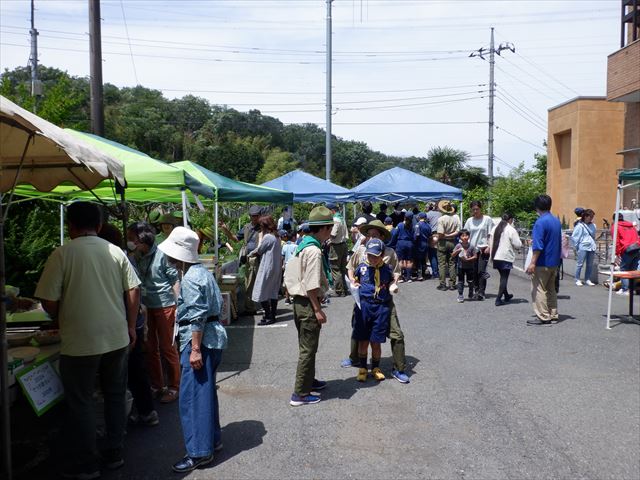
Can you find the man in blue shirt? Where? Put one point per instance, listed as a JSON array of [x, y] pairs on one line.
[[546, 240]]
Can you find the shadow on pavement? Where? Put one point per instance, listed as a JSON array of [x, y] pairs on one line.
[[239, 351], [238, 437]]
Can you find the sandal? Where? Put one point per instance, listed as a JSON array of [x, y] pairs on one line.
[[169, 396]]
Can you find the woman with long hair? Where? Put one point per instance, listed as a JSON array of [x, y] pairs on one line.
[[505, 241], [267, 286], [584, 239]]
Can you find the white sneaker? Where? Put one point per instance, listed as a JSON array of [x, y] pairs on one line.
[[622, 292], [590, 283], [579, 283]]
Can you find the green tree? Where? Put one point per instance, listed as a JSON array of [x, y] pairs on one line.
[[449, 165], [276, 164]]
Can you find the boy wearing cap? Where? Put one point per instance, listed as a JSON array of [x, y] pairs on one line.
[[374, 279], [338, 251], [306, 278], [376, 229], [422, 235]]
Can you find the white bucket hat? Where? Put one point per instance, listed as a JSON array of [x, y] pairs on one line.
[[182, 244]]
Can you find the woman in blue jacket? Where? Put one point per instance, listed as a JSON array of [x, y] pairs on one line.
[[584, 239]]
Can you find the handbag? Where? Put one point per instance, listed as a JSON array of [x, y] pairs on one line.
[[242, 255]]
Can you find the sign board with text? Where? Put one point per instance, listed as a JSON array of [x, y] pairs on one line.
[[42, 386]]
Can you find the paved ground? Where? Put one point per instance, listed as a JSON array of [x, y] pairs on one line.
[[489, 398]]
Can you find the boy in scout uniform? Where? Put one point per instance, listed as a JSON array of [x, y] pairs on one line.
[[338, 251], [447, 229], [306, 277], [371, 230]]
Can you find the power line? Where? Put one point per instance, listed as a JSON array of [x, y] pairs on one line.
[[525, 106], [520, 138], [522, 114], [525, 83], [126, 28], [539, 79]]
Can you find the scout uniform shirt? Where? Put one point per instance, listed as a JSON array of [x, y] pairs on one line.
[[448, 224], [305, 272], [339, 231], [389, 257]]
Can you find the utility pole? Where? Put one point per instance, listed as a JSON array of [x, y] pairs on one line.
[[95, 42], [328, 88], [492, 91], [36, 85]]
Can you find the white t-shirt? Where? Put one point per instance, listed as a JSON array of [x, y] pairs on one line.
[[89, 276], [479, 230]]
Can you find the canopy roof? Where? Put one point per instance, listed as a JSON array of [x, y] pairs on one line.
[[307, 188], [633, 174], [148, 179], [399, 184], [51, 155], [228, 190]]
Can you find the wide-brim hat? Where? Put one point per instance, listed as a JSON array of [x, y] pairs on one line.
[[445, 206], [154, 216], [255, 210], [169, 219], [320, 216], [181, 244], [378, 225]]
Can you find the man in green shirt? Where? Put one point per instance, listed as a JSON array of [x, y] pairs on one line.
[[91, 290]]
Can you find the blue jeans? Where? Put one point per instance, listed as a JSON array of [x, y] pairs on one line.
[[628, 262], [199, 413], [432, 252], [582, 257], [78, 375]]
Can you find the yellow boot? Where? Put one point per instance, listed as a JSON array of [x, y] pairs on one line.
[[362, 375], [377, 374]]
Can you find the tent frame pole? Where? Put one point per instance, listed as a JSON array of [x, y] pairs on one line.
[[614, 240], [62, 224], [216, 259]]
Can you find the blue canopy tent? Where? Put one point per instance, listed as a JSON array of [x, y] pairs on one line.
[[401, 185], [307, 188]]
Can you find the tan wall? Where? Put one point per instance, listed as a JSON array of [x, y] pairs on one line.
[[623, 71], [632, 134], [584, 136]]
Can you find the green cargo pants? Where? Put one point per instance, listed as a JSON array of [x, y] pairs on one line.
[[338, 261], [308, 339], [251, 271], [395, 335], [446, 263]]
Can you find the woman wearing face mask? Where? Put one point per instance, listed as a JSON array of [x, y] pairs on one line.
[[159, 290], [202, 339]]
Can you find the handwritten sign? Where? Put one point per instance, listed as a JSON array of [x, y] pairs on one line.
[[42, 386]]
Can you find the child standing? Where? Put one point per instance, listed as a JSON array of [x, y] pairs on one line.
[[374, 278], [288, 250], [467, 256]]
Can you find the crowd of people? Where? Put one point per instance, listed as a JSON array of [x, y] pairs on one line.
[[147, 318]]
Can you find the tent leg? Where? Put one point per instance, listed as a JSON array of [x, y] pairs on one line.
[[5, 441], [184, 208], [61, 224], [461, 213], [217, 240], [613, 256]]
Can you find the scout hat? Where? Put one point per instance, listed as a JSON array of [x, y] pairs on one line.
[[377, 225], [375, 247], [320, 216], [445, 206], [182, 244], [169, 219], [208, 232], [154, 216]]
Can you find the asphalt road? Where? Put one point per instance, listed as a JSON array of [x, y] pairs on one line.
[[490, 397]]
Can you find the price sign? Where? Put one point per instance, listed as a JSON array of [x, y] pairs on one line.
[[42, 386]]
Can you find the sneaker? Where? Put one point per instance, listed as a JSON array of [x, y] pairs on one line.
[[149, 420], [622, 292], [325, 301], [460, 298], [169, 396], [318, 385], [112, 458], [287, 301], [410, 280], [187, 464], [377, 374], [347, 363], [589, 283], [500, 303], [362, 375], [81, 472], [400, 376], [579, 283], [478, 297], [439, 287], [297, 400]]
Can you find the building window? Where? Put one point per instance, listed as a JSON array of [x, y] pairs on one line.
[[563, 147]]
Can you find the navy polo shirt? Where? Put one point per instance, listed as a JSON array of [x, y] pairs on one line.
[[547, 238]]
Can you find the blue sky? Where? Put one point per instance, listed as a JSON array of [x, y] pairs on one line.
[[403, 81]]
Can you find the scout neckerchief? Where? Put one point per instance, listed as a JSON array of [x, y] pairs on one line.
[[376, 276], [307, 241]]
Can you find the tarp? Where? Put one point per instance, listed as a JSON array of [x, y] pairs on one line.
[[52, 155], [148, 179], [399, 184], [633, 174], [307, 188], [229, 190]]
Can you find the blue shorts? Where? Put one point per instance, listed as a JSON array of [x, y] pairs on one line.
[[404, 250], [371, 321]]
